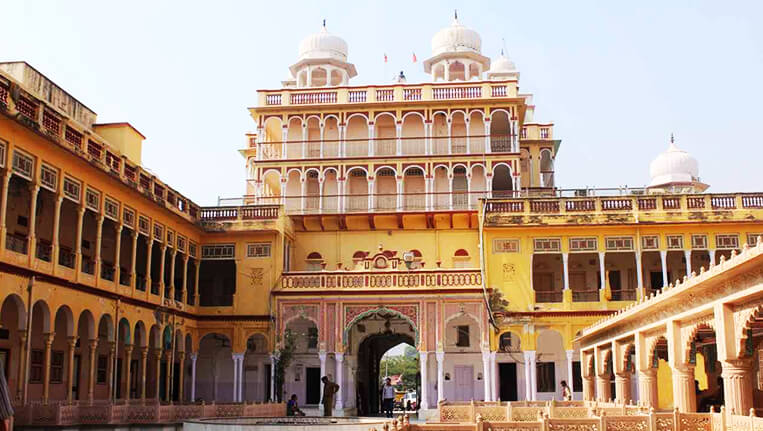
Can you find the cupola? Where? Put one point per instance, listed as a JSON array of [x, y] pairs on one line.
[[675, 170], [322, 61], [456, 54], [502, 68]]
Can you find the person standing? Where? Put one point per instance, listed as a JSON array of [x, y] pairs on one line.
[[566, 393], [388, 397], [329, 389]]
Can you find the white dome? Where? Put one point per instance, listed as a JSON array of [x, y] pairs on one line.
[[502, 65], [673, 166], [456, 38], [323, 45]]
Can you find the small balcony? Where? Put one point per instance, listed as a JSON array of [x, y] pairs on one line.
[[44, 250], [107, 271], [549, 296], [587, 295], [66, 257], [17, 243], [88, 265]]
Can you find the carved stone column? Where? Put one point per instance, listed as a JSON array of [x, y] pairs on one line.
[[737, 385], [623, 387], [93, 345], [647, 387], [110, 368], [603, 387], [684, 395], [589, 388], [157, 372], [181, 375], [21, 380], [72, 344], [143, 362], [126, 373], [48, 340]]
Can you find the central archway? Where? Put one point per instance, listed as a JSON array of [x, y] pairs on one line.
[[370, 374]]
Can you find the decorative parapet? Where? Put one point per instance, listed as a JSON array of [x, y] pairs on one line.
[[420, 279], [386, 94], [624, 209], [240, 218]]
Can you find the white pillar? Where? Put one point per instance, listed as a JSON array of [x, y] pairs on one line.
[[423, 356], [468, 132], [399, 139], [193, 357], [487, 136], [399, 197], [664, 260], [486, 373], [528, 377], [495, 375], [569, 371], [440, 376], [602, 271], [687, 256], [565, 264], [272, 378], [322, 358], [371, 140], [712, 256], [339, 374], [639, 273], [235, 377], [240, 377]]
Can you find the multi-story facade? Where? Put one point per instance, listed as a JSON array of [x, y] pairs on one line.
[[373, 215]]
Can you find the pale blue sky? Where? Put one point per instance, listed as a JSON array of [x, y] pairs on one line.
[[616, 78]]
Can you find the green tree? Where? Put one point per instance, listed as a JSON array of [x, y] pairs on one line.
[[284, 356], [406, 364]]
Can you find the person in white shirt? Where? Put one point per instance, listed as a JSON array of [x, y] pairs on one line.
[[388, 397]]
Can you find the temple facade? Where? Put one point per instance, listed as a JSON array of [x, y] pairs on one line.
[[374, 215]]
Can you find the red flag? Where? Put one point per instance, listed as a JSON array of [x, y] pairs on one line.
[[414, 57], [385, 57]]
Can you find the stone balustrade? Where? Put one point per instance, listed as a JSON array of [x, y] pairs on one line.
[[100, 413], [424, 279]]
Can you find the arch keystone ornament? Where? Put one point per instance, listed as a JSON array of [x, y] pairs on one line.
[[355, 313]]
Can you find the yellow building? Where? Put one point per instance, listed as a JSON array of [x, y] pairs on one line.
[[374, 215]]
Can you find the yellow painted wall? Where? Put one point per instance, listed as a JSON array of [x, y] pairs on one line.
[[664, 386]]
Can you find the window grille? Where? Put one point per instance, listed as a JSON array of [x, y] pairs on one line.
[[501, 245], [72, 189], [49, 177], [619, 243], [218, 251], [546, 245], [727, 242], [675, 241], [583, 244], [258, 249], [650, 242], [23, 165], [699, 242], [111, 208], [93, 200]]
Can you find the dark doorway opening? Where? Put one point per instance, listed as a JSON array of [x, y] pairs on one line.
[[370, 353], [313, 383], [507, 373], [267, 383]]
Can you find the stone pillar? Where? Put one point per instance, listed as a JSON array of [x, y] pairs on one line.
[[167, 374], [570, 377], [566, 269], [93, 345], [117, 254], [149, 252], [21, 380], [687, 256], [530, 375], [78, 243], [273, 378], [486, 374], [34, 191], [110, 369], [603, 387], [143, 363], [339, 357], [639, 275], [711, 252], [133, 254], [589, 388], [4, 206], [684, 393], [172, 274], [602, 270], [126, 374], [737, 385], [163, 249], [72, 343], [423, 357], [664, 262], [235, 377], [184, 297], [494, 376], [98, 241], [241, 377], [440, 356], [181, 377], [193, 356], [623, 387], [157, 373], [55, 243], [647, 387], [48, 340], [322, 358]]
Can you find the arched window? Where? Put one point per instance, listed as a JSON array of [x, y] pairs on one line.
[[456, 71], [461, 259], [416, 262], [314, 261], [358, 257]]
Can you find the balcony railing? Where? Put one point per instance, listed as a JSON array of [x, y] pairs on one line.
[[17, 243], [140, 282], [88, 265], [107, 271], [402, 279], [44, 250], [353, 203], [624, 295], [66, 257], [591, 295], [549, 296], [387, 146], [395, 93], [124, 277], [247, 212], [630, 201]]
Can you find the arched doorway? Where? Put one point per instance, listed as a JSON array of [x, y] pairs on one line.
[[371, 337]]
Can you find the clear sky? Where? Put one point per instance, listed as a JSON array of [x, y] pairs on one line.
[[616, 77]]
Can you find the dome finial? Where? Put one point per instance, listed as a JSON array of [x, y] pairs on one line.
[[503, 45], [324, 22], [672, 139], [455, 14]]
